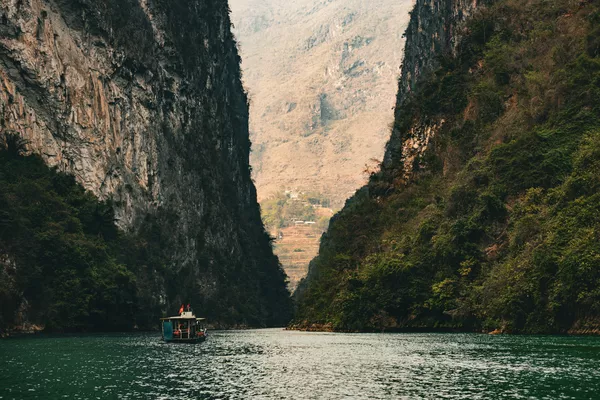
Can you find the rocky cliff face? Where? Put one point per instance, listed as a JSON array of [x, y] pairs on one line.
[[433, 33], [142, 102]]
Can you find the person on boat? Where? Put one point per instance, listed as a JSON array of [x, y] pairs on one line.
[[181, 310], [189, 308]]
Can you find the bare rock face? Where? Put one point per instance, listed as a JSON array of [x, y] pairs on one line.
[[141, 100], [59, 92], [433, 31]]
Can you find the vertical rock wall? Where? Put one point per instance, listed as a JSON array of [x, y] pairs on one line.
[[433, 31], [141, 100]]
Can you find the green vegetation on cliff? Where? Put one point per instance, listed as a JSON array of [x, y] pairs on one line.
[[66, 266], [58, 249], [498, 225]]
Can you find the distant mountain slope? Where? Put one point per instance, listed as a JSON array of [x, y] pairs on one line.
[[321, 76]]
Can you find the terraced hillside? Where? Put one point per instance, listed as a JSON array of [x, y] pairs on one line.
[[297, 246]]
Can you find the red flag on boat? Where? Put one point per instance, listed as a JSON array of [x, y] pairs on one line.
[[181, 310]]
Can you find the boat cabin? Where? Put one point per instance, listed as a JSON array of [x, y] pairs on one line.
[[184, 328]]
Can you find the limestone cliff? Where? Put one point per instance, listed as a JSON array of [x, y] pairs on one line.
[[141, 100], [433, 33]]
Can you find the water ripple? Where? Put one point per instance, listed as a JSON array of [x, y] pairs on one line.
[[276, 364]]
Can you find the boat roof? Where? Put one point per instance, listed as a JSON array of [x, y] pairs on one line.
[[183, 317], [186, 315]]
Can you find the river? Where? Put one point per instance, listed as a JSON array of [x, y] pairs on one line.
[[278, 364]]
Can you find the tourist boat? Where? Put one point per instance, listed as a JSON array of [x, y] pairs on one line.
[[183, 328]]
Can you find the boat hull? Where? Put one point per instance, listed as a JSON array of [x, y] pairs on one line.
[[191, 340]]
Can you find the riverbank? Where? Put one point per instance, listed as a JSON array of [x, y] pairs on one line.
[[33, 329], [590, 327]]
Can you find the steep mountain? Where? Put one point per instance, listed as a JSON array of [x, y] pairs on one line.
[[321, 77], [484, 215], [142, 102]]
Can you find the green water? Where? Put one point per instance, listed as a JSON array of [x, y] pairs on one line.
[[276, 364]]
